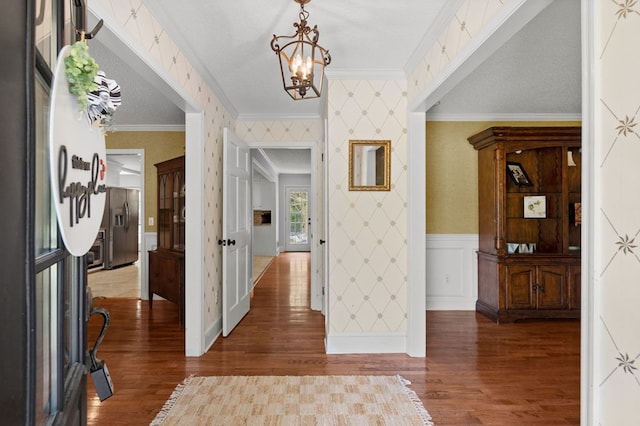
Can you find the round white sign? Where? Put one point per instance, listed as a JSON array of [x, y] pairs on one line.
[[78, 166]]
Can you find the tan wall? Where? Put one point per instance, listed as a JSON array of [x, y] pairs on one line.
[[452, 174], [158, 146]]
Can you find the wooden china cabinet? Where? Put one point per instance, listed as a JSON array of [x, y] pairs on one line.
[[529, 189], [166, 263]]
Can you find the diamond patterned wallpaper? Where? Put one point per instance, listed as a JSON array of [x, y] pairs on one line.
[[143, 27], [469, 20], [617, 151], [367, 230]]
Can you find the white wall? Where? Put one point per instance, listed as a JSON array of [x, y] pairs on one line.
[[264, 198]]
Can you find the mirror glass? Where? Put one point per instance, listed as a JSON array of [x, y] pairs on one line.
[[369, 165]]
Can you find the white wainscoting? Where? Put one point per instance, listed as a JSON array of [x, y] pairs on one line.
[[150, 242], [452, 272]]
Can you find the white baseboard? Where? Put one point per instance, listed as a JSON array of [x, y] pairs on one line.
[[366, 343], [452, 272], [212, 333], [150, 242]]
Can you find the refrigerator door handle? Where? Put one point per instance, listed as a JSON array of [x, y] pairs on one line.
[[126, 215]]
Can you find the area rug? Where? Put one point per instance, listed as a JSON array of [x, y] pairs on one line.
[[293, 400]]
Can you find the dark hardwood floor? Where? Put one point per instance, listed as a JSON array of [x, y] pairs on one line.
[[475, 372]]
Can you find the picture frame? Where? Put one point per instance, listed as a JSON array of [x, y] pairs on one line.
[[369, 165], [535, 207], [518, 174]]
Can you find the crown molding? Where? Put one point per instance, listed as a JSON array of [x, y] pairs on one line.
[[364, 74], [503, 117], [277, 117], [146, 128], [171, 28], [435, 31]]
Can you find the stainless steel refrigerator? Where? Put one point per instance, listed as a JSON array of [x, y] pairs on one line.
[[120, 222]]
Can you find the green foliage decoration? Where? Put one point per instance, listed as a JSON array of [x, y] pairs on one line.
[[80, 71]]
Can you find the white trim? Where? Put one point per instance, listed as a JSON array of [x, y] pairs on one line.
[[365, 74], [266, 158], [589, 407], [511, 17], [435, 31], [416, 229], [503, 117], [147, 128], [262, 170], [194, 237], [212, 333], [120, 40], [175, 30], [150, 242], [366, 343]]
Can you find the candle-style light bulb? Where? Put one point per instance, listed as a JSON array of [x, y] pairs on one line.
[[295, 65]]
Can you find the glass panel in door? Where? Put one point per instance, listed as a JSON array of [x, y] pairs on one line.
[[297, 219]]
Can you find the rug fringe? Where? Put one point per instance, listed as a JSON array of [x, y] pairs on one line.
[[424, 414], [175, 395]]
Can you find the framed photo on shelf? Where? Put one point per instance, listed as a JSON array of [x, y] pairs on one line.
[[535, 207], [517, 173]]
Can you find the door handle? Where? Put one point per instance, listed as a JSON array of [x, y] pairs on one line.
[[126, 215], [231, 242], [222, 242], [322, 242]]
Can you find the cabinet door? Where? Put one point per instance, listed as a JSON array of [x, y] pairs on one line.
[[164, 279], [552, 287], [520, 281], [575, 281]]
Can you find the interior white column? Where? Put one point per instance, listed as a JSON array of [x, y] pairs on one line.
[[417, 252]]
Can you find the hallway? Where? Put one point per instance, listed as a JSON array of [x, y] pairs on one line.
[[476, 372]]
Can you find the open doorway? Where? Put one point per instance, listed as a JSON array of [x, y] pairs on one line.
[[282, 170]]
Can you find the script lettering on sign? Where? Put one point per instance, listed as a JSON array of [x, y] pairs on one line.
[[79, 193]]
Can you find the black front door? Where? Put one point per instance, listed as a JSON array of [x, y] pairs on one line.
[[42, 296]]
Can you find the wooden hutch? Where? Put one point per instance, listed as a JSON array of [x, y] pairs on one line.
[[529, 189], [166, 263]]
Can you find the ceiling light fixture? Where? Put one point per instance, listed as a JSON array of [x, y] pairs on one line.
[[302, 60]]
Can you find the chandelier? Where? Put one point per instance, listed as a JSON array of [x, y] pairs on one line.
[[302, 60]]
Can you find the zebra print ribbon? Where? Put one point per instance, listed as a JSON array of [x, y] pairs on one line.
[[104, 101]]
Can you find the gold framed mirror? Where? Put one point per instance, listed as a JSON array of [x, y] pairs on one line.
[[369, 165]]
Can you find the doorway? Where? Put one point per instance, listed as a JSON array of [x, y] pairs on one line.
[[125, 170], [297, 219], [314, 183]]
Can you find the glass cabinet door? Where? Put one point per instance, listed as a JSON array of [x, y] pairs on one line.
[[179, 210], [165, 213]]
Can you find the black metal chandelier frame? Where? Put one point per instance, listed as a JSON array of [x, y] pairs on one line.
[[302, 59]]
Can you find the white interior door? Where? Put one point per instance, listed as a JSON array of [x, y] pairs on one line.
[[236, 228]]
